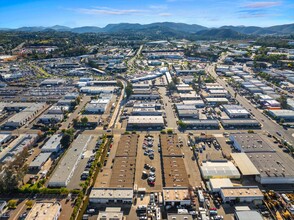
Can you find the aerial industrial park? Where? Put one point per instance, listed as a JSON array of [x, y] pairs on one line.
[[147, 129]]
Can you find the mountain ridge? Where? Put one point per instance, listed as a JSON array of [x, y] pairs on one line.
[[285, 29]]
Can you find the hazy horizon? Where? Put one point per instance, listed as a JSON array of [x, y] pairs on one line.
[[28, 13]]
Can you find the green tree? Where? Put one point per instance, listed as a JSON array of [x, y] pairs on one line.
[[129, 90], [283, 101], [12, 204], [182, 124], [84, 121]]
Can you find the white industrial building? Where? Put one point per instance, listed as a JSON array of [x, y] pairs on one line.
[[224, 169], [53, 144], [287, 115], [39, 161], [175, 196], [44, 210], [95, 108], [236, 111], [245, 142], [66, 167], [145, 121], [246, 194], [57, 109], [216, 184], [21, 118], [4, 138], [111, 195], [50, 118]]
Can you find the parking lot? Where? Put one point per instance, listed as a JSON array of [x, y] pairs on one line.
[[76, 178], [145, 159]]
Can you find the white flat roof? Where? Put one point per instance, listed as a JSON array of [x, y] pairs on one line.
[[219, 170], [111, 193], [244, 164], [219, 183]]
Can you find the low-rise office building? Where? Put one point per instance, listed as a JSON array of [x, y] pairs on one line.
[[111, 195]]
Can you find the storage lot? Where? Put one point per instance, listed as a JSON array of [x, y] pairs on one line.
[[144, 159]]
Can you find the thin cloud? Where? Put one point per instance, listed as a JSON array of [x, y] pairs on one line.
[[165, 14], [158, 7], [106, 11], [254, 5]]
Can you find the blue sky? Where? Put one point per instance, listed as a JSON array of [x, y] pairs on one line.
[[210, 13]]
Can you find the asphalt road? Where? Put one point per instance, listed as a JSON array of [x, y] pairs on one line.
[[268, 125]]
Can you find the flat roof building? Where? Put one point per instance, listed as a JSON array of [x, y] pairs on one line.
[[245, 215], [253, 142], [236, 111], [224, 169], [242, 193], [287, 115], [244, 164], [66, 167], [44, 210], [53, 144], [217, 184], [111, 195], [39, 161], [274, 168], [145, 121], [111, 213], [174, 196]]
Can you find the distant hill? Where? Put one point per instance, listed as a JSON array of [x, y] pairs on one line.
[[278, 29], [86, 29], [219, 33], [169, 29]]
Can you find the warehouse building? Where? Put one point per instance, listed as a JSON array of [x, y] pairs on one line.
[[52, 82], [274, 168], [66, 167], [58, 109], [145, 121], [216, 184], [4, 138], [236, 111], [17, 146], [146, 112], [216, 101], [246, 194], [245, 142], [44, 210], [248, 214], [95, 108], [176, 196], [223, 169], [50, 118], [244, 164], [53, 144], [21, 118], [201, 124], [111, 195], [287, 115], [111, 213], [188, 113], [240, 123], [39, 161]]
